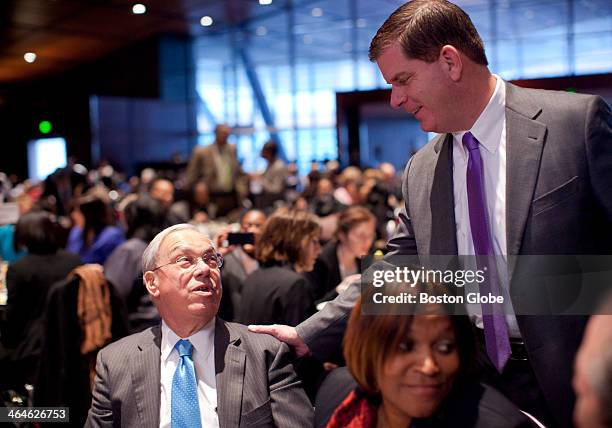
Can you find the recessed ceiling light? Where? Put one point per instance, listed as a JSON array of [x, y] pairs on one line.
[[316, 12], [29, 57], [261, 31], [206, 21], [139, 9], [265, 2]]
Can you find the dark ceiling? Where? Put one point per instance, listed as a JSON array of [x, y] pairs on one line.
[[64, 33]]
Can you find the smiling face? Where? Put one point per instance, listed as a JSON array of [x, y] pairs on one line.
[[415, 379], [422, 89], [186, 290]]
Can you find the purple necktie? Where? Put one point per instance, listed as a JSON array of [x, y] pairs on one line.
[[495, 328]]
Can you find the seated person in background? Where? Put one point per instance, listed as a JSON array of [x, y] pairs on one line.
[[593, 372], [195, 369], [162, 189], [144, 218], [96, 239], [413, 370], [28, 281], [196, 208], [277, 292], [341, 257], [238, 262]]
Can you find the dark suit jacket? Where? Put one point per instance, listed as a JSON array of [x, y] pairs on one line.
[[558, 176], [28, 283], [275, 295], [471, 405], [325, 276], [256, 384]]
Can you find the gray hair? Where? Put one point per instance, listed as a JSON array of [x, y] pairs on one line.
[[149, 257]]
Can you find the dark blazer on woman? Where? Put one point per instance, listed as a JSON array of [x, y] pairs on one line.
[[275, 295], [325, 276], [28, 283]]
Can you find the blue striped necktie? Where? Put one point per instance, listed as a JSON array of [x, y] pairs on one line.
[[185, 410]]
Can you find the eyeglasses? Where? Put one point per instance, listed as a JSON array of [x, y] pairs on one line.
[[212, 259]]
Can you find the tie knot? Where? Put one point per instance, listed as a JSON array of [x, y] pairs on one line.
[[469, 141], [184, 348]]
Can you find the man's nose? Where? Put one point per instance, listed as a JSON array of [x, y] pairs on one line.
[[397, 98], [201, 267]]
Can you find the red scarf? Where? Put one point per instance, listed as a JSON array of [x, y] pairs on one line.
[[354, 412]]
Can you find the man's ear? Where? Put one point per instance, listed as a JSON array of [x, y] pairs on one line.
[[451, 63], [151, 283]]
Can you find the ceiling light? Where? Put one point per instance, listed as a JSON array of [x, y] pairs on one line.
[[361, 23], [316, 12], [29, 57], [265, 2], [206, 21], [261, 31], [139, 9]]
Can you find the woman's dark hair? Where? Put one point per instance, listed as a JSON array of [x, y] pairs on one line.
[[38, 232], [144, 217], [283, 236], [370, 339], [97, 213]]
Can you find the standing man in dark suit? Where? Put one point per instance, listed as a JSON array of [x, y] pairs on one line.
[[542, 188], [217, 164], [195, 369]]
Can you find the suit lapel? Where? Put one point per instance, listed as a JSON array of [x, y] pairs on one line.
[[524, 144], [230, 361], [443, 239], [146, 376]]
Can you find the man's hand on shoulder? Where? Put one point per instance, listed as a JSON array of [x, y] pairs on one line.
[[284, 333]]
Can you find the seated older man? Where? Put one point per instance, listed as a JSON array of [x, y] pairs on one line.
[[194, 370]]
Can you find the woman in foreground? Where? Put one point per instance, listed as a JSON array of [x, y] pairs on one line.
[[414, 367]]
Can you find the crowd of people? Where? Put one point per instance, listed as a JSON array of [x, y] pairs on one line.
[[78, 218], [205, 296]]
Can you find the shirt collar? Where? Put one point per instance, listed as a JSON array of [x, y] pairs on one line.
[[488, 127], [203, 340]]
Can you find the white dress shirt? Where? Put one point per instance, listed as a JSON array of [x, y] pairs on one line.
[[203, 356], [490, 131]]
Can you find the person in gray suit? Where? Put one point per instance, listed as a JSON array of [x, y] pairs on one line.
[[543, 188], [194, 369]]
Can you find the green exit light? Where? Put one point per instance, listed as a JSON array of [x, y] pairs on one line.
[[44, 126]]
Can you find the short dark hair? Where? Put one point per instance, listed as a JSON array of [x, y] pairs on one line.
[[145, 218], [283, 236], [270, 147], [423, 27], [371, 339], [38, 232]]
